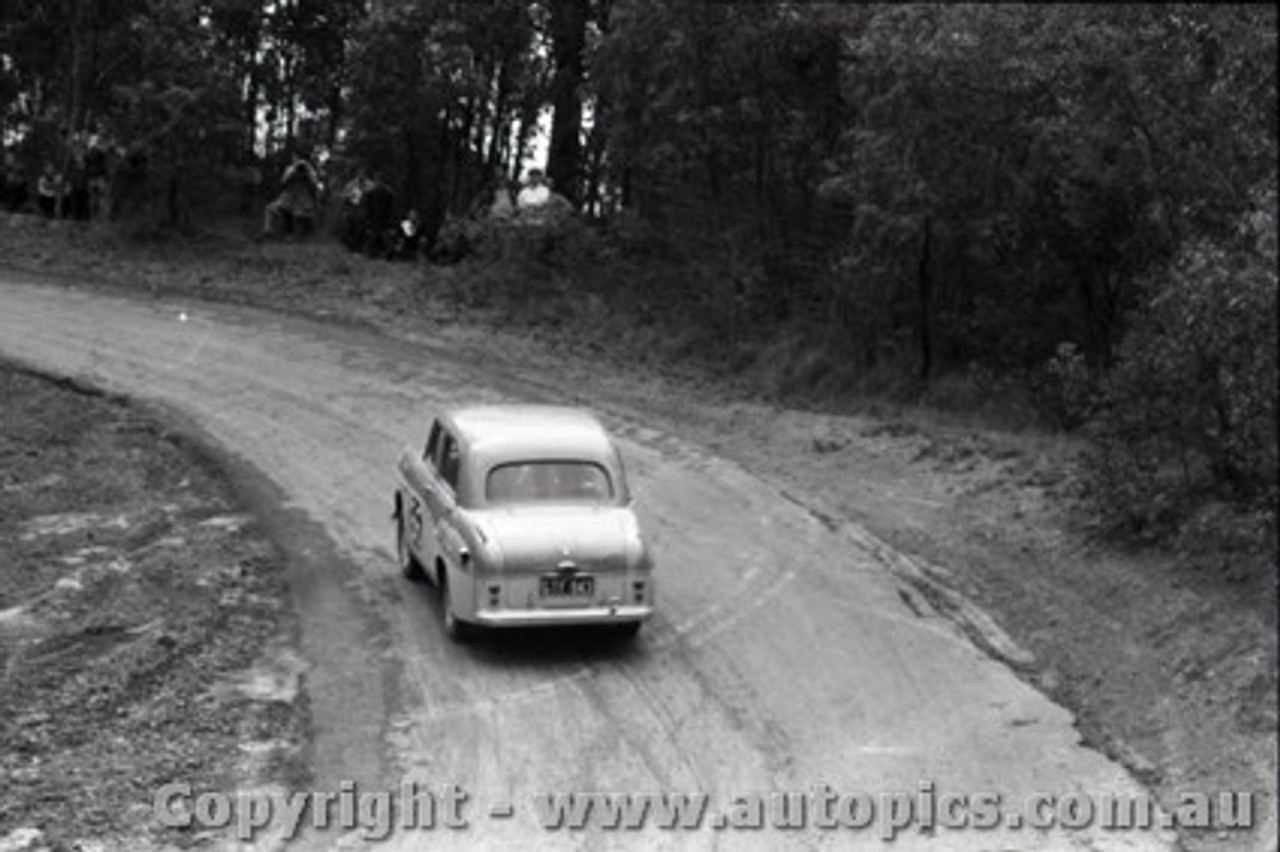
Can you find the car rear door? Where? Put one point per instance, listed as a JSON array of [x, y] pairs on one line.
[[425, 500]]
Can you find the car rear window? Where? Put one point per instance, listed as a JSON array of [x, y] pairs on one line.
[[548, 482]]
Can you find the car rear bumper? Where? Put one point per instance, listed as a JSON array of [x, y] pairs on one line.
[[554, 617]]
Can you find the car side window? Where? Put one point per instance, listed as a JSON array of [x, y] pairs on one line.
[[450, 461], [433, 443]]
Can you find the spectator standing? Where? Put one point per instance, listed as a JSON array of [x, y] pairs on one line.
[[378, 202], [78, 200], [129, 181], [95, 167], [294, 210], [14, 189], [353, 192], [354, 222], [49, 190], [502, 208], [302, 184]]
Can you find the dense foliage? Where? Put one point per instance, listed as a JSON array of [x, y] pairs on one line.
[[1048, 192], [1188, 414]]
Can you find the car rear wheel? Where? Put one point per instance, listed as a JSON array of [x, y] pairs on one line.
[[454, 627], [628, 630], [409, 565]]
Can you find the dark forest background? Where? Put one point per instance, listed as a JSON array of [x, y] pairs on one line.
[[1075, 204]]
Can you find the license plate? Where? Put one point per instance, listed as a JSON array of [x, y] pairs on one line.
[[566, 587]]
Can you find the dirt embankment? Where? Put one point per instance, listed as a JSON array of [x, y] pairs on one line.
[[144, 625], [1169, 667], [1168, 661]]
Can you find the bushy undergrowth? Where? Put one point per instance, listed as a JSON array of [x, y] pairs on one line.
[[649, 299], [607, 284], [1186, 419]]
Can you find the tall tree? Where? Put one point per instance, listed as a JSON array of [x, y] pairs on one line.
[[568, 45]]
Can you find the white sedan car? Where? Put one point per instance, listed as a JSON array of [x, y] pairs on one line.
[[521, 516]]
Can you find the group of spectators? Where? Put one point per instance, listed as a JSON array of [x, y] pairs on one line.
[[82, 192], [368, 221], [502, 215], [535, 203], [78, 185], [369, 224]]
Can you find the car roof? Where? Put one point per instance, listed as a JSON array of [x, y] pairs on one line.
[[509, 432]]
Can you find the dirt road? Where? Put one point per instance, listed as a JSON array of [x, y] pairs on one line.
[[786, 656]]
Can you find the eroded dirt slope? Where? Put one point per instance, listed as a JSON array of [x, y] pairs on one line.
[[139, 611]]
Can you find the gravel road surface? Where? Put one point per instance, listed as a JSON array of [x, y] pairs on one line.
[[786, 654]]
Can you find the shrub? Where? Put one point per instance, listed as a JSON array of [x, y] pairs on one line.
[[1065, 387], [1188, 413]]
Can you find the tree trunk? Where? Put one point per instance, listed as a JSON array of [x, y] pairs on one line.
[[569, 30], [175, 216], [500, 124], [411, 191], [924, 285], [290, 107], [73, 115]]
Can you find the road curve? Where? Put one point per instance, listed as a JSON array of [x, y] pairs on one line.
[[785, 656]]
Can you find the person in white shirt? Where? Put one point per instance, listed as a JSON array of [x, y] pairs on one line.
[[535, 194], [409, 238]]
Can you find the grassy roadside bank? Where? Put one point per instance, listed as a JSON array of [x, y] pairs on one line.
[[139, 610], [1168, 665]]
